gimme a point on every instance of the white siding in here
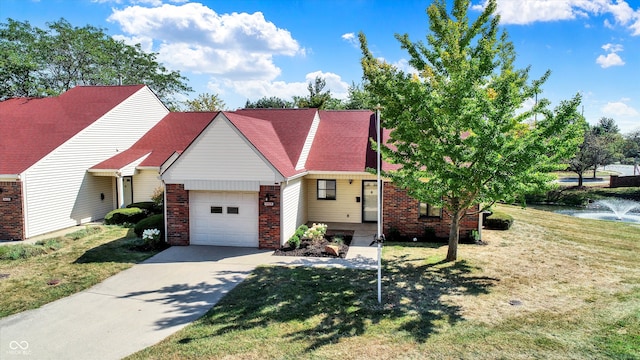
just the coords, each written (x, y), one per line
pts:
(144, 184)
(60, 192)
(343, 209)
(294, 208)
(302, 160)
(221, 153)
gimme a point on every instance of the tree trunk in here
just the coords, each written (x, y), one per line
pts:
(595, 168)
(579, 179)
(454, 236)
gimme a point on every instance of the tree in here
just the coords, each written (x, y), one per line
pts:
(46, 62)
(457, 129)
(272, 102)
(205, 102)
(584, 158)
(358, 98)
(317, 97)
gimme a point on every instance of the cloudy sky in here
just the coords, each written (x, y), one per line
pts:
(247, 49)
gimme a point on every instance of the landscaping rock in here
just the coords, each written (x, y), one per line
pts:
(332, 250)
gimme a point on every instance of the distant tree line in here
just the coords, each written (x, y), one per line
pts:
(319, 98)
(602, 145)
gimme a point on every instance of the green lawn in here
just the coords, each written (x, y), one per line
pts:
(552, 287)
(62, 266)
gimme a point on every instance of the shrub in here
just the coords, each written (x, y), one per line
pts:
(152, 222)
(149, 207)
(499, 221)
(152, 238)
(316, 232)
(429, 233)
(158, 196)
(294, 241)
(121, 216)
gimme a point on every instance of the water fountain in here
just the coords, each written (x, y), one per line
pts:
(610, 209)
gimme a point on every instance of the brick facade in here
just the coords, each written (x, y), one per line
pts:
(177, 204)
(401, 212)
(11, 211)
(269, 217)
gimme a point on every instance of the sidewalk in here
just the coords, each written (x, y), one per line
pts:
(138, 307)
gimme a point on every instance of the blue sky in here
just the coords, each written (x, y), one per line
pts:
(245, 49)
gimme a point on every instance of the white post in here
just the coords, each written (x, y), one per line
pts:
(120, 187)
(379, 220)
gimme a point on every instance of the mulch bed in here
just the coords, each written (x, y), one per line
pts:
(316, 248)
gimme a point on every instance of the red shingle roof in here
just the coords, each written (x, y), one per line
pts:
(172, 134)
(291, 126)
(342, 141)
(32, 128)
(263, 136)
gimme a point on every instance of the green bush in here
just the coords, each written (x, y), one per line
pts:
(499, 221)
(147, 206)
(152, 222)
(121, 216)
(294, 241)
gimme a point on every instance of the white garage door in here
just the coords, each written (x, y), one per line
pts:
(223, 218)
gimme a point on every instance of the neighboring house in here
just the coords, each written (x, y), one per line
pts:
(48, 144)
(252, 176)
(136, 170)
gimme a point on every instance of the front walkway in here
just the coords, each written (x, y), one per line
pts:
(139, 307)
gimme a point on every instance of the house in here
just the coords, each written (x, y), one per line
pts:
(136, 170)
(252, 176)
(48, 144)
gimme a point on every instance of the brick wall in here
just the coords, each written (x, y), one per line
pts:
(401, 212)
(11, 214)
(269, 217)
(624, 181)
(177, 204)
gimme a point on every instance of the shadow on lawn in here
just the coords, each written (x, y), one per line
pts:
(122, 250)
(344, 301)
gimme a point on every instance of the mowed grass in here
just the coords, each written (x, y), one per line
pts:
(552, 287)
(63, 266)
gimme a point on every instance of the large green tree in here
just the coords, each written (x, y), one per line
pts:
(460, 131)
(43, 62)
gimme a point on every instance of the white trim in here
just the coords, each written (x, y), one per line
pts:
(306, 149)
(10, 177)
(222, 185)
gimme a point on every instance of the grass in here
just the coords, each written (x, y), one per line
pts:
(33, 275)
(552, 287)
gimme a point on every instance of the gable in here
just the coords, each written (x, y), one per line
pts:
(221, 153)
(32, 128)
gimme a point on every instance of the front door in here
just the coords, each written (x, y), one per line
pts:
(369, 201)
(127, 188)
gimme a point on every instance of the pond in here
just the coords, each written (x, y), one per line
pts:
(607, 209)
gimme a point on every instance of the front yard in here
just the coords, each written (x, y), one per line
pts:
(552, 287)
(63, 266)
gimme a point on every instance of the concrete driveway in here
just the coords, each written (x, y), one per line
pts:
(142, 305)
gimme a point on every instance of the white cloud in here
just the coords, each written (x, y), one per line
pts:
(256, 89)
(609, 60)
(193, 37)
(351, 39)
(530, 11)
(619, 108)
(612, 47)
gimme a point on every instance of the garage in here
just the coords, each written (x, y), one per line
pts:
(223, 218)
